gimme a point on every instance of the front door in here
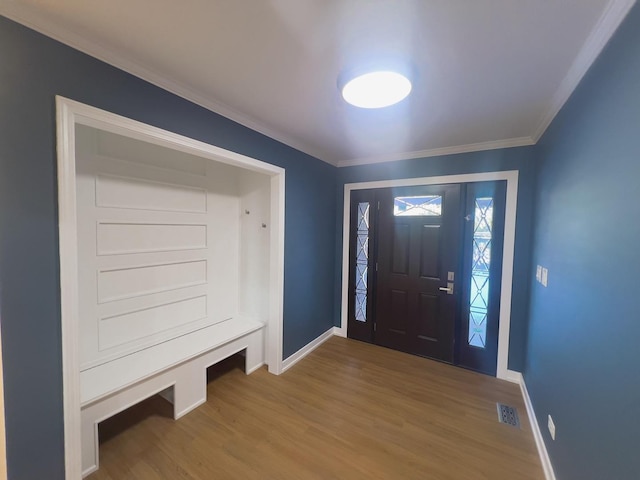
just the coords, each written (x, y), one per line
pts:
(417, 263)
(425, 270)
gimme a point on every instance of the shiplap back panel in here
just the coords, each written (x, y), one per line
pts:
(159, 245)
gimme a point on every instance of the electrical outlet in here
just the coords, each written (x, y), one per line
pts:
(539, 273)
(552, 428)
(544, 277)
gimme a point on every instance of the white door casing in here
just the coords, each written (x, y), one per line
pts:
(511, 176)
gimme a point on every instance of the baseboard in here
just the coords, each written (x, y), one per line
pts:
(89, 471)
(306, 350)
(190, 408)
(256, 367)
(340, 332)
(535, 428)
(513, 376)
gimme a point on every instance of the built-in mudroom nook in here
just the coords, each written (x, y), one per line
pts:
(171, 260)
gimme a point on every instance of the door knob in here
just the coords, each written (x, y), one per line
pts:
(448, 288)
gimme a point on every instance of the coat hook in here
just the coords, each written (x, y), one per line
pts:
(264, 225)
(247, 212)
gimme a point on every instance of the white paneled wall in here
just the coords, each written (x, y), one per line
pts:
(254, 245)
(136, 280)
(168, 244)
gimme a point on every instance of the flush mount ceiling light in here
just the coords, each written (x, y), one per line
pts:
(376, 89)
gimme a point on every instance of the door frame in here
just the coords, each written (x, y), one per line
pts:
(511, 176)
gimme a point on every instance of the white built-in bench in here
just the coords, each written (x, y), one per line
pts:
(180, 376)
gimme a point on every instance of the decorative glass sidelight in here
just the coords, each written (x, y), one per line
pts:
(480, 267)
(418, 206)
(362, 262)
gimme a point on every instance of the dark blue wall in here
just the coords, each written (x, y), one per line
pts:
(579, 354)
(583, 362)
(521, 159)
(33, 69)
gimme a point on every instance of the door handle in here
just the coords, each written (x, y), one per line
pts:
(448, 288)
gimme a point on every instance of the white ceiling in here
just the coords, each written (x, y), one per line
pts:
(489, 73)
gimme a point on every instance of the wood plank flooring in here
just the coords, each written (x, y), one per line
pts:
(348, 410)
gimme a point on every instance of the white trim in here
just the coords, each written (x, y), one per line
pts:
(70, 113)
(437, 152)
(273, 336)
(43, 24)
(306, 350)
(508, 256)
(346, 222)
(113, 123)
(535, 428)
(609, 21)
(513, 376)
(121, 408)
(340, 332)
(511, 176)
(600, 35)
(255, 368)
(69, 288)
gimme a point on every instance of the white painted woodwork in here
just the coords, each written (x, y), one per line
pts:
(171, 259)
(107, 378)
(489, 74)
(115, 238)
(254, 244)
(117, 330)
(184, 385)
(291, 360)
(138, 233)
(123, 192)
(132, 281)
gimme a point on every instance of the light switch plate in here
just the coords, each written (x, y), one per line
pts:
(539, 273)
(552, 428)
(545, 276)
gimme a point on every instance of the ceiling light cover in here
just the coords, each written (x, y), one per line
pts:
(376, 89)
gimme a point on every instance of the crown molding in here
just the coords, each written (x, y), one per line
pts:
(602, 32)
(437, 152)
(607, 24)
(40, 23)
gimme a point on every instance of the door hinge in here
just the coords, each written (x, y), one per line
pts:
(378, 205)
(374, 326)
(376, 266)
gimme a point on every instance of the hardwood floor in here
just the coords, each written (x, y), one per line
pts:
(349, 410)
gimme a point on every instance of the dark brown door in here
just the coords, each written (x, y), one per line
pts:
(418, 240)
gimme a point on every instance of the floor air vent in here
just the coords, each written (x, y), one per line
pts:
(508, 415)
